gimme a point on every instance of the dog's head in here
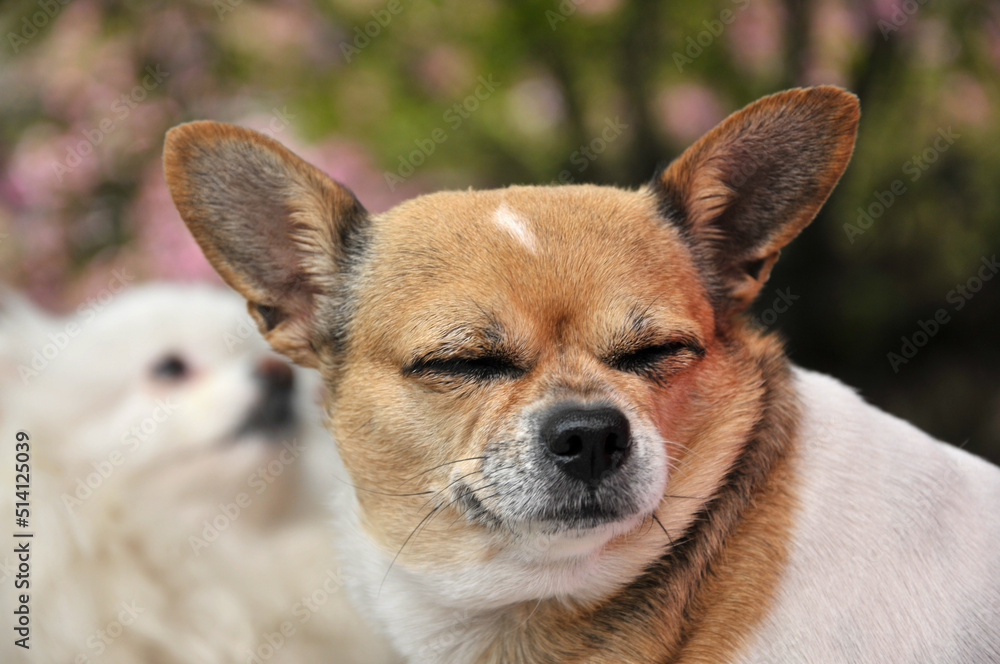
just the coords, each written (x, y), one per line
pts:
(164, 377)
(526, 365)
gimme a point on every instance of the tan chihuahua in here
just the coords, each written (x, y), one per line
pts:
(566, 442)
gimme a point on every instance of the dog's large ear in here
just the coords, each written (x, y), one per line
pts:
(274, 227)
(746, 188)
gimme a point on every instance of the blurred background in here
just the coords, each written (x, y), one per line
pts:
(890, 289)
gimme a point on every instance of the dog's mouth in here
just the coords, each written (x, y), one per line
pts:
(557, 510)
(273, 417)
(472, 508)
(591, 511)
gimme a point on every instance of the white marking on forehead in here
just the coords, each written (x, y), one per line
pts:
(513, 223)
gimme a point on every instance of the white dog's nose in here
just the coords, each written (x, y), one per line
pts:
(276, 375)
(274, 410)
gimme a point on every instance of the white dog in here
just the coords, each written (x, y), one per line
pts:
(175, 470)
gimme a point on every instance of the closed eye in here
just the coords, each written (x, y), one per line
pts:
(480, 368)
(655, 358)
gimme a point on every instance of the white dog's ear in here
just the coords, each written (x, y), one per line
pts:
(746, 188)
(277, 229)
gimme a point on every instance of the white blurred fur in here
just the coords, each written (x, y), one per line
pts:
(128, 543)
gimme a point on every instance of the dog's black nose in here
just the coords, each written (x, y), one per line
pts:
(587, 443)
(274, 411)
(275, 375)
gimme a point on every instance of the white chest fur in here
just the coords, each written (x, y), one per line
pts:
(895, 555)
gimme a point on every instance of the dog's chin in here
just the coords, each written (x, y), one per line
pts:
(225, 461)
(266, 439)
(232, 458)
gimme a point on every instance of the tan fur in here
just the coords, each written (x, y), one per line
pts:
(759, 152)
(438, 275)
(297, 190)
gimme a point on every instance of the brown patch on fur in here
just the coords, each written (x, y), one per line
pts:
(277, 229)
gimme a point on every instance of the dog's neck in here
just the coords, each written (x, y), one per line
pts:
(656, 594)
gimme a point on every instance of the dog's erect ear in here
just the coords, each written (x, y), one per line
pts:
(746, 188)
(274, 227)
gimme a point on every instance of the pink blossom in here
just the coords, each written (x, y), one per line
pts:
(688, 110)
(536, 105)
(966, 101)
(349, 163)
(164, 241)
(446, 72)
(755, 37)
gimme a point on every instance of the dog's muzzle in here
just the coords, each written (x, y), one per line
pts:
(274, 412)
(578, 465)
